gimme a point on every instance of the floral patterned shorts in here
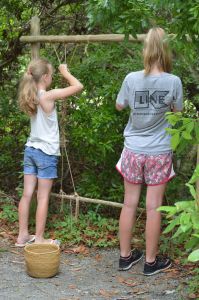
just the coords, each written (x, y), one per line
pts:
(151, 169)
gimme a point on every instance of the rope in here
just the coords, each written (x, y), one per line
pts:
(57, 54)
(73, 53)
(65, 53)
(71, 175)
(63, 148)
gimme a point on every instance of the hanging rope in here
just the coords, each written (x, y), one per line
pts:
(56, 54)
(63, 146)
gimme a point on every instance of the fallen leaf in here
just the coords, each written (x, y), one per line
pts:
(72, 286)
(107, 294)
(120, 279)
(98, 257)
(7, 235)
(130, 282)
(81, 249)
(174, 271)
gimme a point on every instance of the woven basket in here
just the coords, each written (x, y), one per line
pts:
(42, 260)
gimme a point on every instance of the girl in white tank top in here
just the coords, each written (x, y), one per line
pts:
(42, 147)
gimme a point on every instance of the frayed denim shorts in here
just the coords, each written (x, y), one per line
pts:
(40, 164)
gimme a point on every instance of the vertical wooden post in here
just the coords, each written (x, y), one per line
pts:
(77, 208)
(35, 30)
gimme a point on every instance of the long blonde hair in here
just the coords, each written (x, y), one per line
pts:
(156, 51)
(28, 99)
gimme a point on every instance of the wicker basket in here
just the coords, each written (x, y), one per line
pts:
(42, 260)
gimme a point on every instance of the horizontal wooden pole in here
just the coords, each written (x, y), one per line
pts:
(80, 38)
(84, 199)
(90, 200)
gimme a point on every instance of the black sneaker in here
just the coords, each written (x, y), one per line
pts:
(160, 264)
(125, 263)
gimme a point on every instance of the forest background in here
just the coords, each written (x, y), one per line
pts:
(92, 125)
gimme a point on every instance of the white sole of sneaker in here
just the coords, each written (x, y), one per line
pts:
(158, 271)
(132, 264)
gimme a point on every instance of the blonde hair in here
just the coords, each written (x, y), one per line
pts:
(156, 51)
(28, 99)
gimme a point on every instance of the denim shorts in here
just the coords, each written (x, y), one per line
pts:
(40, 164)
(146, 168)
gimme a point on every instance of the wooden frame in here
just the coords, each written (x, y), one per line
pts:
(35, 39)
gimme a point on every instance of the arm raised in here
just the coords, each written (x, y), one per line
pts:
(74, 87)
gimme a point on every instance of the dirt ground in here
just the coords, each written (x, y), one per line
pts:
(89, 275)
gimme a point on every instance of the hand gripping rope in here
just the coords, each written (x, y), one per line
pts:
(63, 146)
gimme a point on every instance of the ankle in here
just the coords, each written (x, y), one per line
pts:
(150, 263)
(39, 239)
(150, 260)
(23, 236)
(125, 254)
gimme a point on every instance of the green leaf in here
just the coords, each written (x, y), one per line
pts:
(190, 125)
(185, 205)
(186, 135)
(195, 220)
(192, 243)
(178, 232)
(172, 224)
(194, 256)
(172, 130)
(170, 209)
(196, 235)
(185, 223)
(196, 129)
(192, 190)
(195, 175)
(175, 140)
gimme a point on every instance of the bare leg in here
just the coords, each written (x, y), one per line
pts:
(154, 198)
(30, 182)
(127, 216)
(44, 189)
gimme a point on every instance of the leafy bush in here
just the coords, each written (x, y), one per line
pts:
(184, 215)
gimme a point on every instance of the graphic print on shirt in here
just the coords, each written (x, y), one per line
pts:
(143, 99)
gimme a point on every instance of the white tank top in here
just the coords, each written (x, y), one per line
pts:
(44, 133)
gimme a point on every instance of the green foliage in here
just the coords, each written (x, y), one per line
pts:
(127, 17)
(186, 131)
(8, 212)
(193, 283)
(94, 127)
(90, 229)
(178, 13)
(184, 216)
(194, 256)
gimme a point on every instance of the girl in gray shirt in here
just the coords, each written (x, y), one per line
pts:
(147, 156)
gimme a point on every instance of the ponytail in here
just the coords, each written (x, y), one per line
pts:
(28, 95)
(28, 99)
(156, 51)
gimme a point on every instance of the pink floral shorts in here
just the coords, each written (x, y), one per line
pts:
(151, 169)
